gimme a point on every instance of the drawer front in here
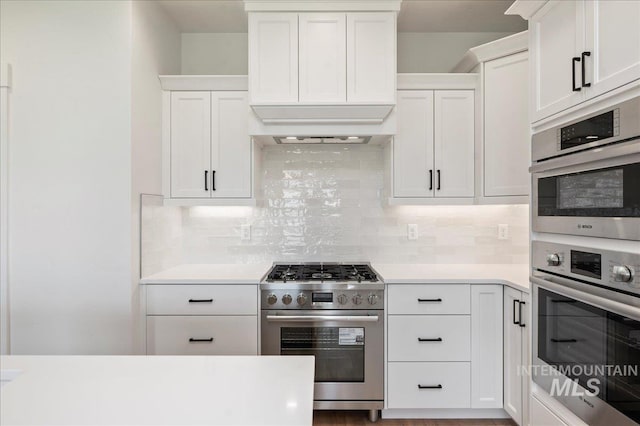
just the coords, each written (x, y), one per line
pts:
(429, 337)
(192, 335)
(202, 300)
(445, 385)
(429, 299)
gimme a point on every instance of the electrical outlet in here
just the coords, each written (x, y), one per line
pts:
(412, 231)
(503, 231)
(245, 232)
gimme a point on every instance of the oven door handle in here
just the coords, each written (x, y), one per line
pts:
(314, 318)
(556, 284)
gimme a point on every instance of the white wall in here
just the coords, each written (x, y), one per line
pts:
(227, 53)
(437, 52)
(215, 53)
(70, 180)
(155, 50)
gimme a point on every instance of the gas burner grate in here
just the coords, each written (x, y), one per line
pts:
(320, 272)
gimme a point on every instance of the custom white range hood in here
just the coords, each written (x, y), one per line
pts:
(322, 69)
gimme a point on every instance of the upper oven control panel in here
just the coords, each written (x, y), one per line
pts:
(297, 298)
(616, 270)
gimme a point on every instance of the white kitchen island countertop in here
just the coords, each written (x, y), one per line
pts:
(210, 274)
(158, 390)
(516, 276)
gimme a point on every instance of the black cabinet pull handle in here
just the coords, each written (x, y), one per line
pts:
(430, 180)
(200, 300)
(206, 180)
(439, 180)
(437, 339)
(584, 71)
(429, 300)
(193, 340)
(516, 302)
(429, 386)
(564, 340)
(520, 314)
(573, 74)
(213, 180)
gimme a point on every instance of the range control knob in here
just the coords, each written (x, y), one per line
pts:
(286, 299)
(342, 299)
(553, 259)
(373, 299)
(357, 299)
(272, 298)
(622, 273)
(301, 299)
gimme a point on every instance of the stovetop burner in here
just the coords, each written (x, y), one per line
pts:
(321, 272)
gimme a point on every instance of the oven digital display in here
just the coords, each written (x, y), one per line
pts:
(586, 264)
(322, 297)
(589, 130)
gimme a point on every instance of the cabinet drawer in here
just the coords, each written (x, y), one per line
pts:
(442, 384)
(454, 332)
(202, 300)
(429, 299)
(193, 335)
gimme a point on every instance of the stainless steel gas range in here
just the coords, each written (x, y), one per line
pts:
(334, 311)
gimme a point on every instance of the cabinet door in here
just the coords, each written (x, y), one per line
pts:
(273, 57)
(190, 144)
(613, 39)
(323, 58)
(486, 346)
(230, 145)
(557, 35)
(413, 171)
(371, 57)
(506, 126)
(512, 355)
(453, 142)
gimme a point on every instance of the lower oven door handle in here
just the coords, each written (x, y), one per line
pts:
(313, 318)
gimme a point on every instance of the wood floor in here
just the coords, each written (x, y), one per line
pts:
(360, 418)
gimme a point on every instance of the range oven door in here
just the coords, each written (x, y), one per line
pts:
(347, 345)
(586, 352)
(598, 197)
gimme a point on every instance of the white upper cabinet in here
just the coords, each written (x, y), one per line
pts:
(190, 144)
(433, 149)
(413, 144)
(273, 57)
(506, 141)
(322, 56)
(209, 152)
(613, 42)
(230, 146)
(454, 143)
(557, 38)
(371, 57)
(581, 49)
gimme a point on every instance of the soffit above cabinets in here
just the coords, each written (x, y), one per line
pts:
(321, 6)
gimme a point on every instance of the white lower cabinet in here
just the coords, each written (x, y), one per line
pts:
(429, 384)
(186, 319)
(516, 354)
(202, 335)
(444, 346)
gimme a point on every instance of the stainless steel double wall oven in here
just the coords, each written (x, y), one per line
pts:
(586, 295)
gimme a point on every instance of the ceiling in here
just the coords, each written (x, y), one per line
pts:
(228, 16)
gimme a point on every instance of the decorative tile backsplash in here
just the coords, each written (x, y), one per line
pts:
(325, 203)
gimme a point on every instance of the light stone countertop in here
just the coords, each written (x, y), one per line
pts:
(155, 390)
(210, 274)
(516, 276)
